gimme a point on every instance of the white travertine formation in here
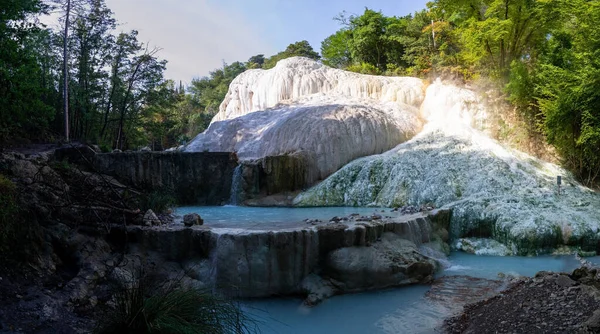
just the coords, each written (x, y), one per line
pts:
(505, 193)
(329, 131)
(301, 106)
(296, 77)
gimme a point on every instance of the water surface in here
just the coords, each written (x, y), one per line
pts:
(411, 309)
(400, 310)
(243, 216)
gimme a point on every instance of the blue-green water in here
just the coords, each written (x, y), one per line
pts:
(240, 216)
(401, 310)
(410, 309)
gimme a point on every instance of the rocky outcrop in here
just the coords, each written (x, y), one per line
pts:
(547, 303)
(391, 261)
(316, 261)
(192, 219)
(194, 178)
(301, 107)
(494, 192)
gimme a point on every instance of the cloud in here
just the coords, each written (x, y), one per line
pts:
(196, 35)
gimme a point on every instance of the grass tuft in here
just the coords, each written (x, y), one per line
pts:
(144, 307)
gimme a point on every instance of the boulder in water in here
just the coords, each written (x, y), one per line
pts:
(192, 219)
(389, 262)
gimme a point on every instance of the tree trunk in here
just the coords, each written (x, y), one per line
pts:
(66, 71)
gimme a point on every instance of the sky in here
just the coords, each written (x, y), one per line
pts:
(196, 36)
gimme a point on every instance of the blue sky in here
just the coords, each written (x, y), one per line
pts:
(196, 36)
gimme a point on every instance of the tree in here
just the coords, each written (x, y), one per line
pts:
(22, 108)
(298, 49)
(256, 61)
(493, 33)
(91, 43)
(566, 81)
(336, 49)
(374, 44)
(368, 39)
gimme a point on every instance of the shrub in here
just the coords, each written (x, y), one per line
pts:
(144, 307)
(158, 201)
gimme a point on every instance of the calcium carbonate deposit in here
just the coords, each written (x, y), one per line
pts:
(494, 191)
(335, 117)
(329, 116)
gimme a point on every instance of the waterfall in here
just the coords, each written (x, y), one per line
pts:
(235, 196)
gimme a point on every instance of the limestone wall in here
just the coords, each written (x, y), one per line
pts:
(199, 178)
(251, 263)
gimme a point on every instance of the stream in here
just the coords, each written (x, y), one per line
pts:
(465, 278)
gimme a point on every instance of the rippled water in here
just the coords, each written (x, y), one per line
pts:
(412, 309)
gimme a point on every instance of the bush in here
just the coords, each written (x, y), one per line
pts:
(364, 68)
(144, 307)
(158, 201)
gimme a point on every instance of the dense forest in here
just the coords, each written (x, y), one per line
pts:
(543, 54)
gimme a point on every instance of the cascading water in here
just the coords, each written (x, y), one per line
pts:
(235, 197)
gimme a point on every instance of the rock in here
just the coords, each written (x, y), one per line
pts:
(192, 219)
(116, 150)
(593, 322)
(393, 261)
(317, 289)
(482, 246)
(261, 263)
(76, 154)
(200, 178)
(150, 219)
(564, 281)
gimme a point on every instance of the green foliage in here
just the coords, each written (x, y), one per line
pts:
(149, 307)
(336, 49)
(23, 110)
(159, 201)
(364, 68)
(256, 61)
(392, 45)
(493, 33)
(559, 89)
(300, 49)
(112, 77)
(368, 39)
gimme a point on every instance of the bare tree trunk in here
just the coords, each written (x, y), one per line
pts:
(66, 71)
(433, 34)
